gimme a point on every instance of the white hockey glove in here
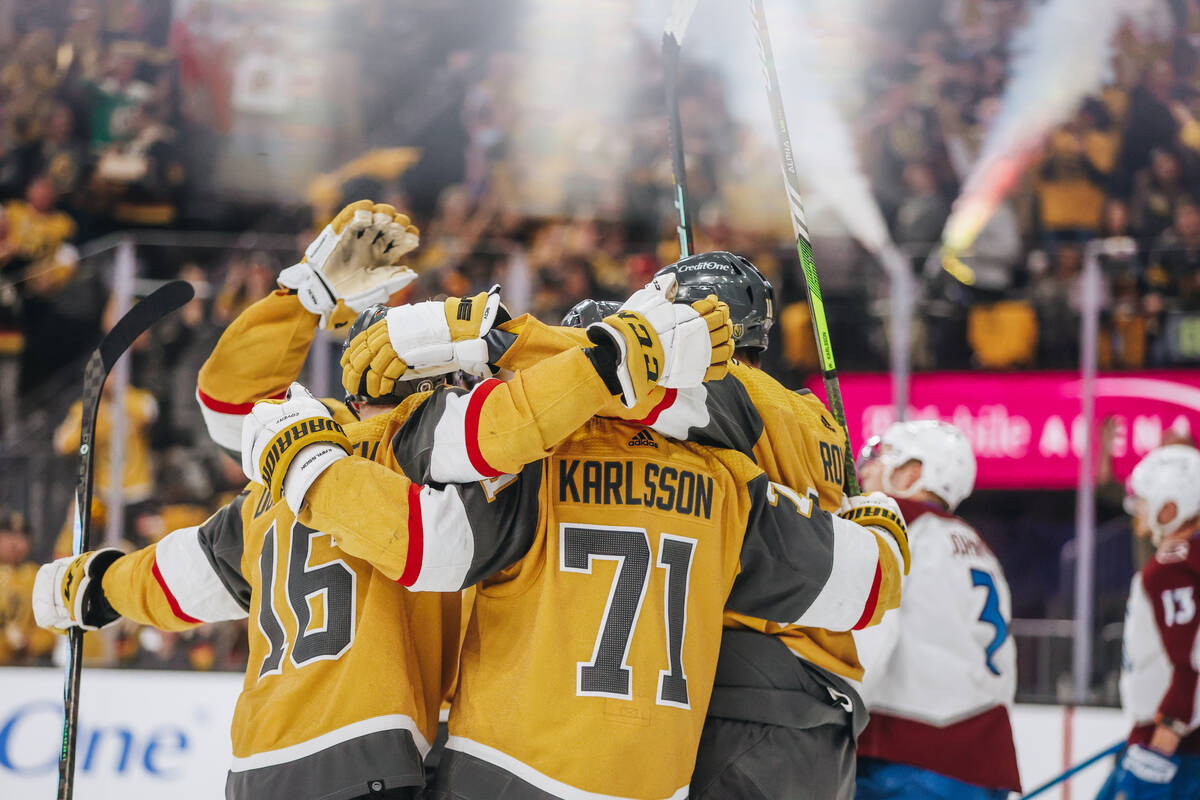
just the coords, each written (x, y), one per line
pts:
(67, 592)
(287, 444)
(664, 344)
(443, 336)
(355, 260)
(877, 510)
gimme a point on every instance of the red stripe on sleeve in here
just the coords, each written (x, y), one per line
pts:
(221, 407)
(416, 538)
(171, 601)
(668, 400)
(872, 600)
(474, 409)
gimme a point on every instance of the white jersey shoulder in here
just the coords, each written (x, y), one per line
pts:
(947, 653)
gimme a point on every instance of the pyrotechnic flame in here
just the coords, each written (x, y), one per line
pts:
(1061, 56)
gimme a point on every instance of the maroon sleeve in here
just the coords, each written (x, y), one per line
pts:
(1173, 588)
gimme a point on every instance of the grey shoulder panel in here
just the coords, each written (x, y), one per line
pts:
(505, 513)
(734, 423)
(786, 556)
(222, 538)
(413, 443)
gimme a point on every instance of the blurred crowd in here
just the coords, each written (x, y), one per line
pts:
(137, 115)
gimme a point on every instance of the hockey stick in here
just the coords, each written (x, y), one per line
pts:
(812, 286)
(137, 320)
(677, 22)
(1082, 765)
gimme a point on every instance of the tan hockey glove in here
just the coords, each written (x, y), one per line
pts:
(720, 332)
(421, 339)
(67, 592)
(354, 262)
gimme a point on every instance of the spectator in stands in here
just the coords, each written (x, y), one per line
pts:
(22, 641)
(1056, 299)
(1156, 192)
(922, 213)
(1149, 125)
(137, 476)
(55, 153)
(1174, 267)
(1073, 177)
(139, 178)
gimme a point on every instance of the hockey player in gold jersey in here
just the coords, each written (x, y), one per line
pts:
(324, 621)
(787, 707)
(603, 573)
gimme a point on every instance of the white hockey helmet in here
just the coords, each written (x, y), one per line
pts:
(947, 462)
(1169, 474)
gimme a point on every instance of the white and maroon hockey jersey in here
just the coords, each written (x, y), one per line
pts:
(1159, 672)
(941, 670)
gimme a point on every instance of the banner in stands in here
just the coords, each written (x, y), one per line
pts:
(1027, 428)
(152, 734)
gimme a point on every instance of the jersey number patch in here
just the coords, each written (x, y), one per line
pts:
(333, 583)
(991, 615)
(1179, 606)
(608, 674)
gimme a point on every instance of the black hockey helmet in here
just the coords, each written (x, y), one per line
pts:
(738, 283)
(586, 312)
(403, 387)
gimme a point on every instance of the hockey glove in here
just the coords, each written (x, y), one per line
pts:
(431, 338)
(1144, 774)
(354, 262)
(715, 314)
(67, 592)
(686, 339)
(287, 444)
(877, 510)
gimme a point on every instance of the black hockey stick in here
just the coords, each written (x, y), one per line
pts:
(812, 285)
(677, 22)
(139, 319)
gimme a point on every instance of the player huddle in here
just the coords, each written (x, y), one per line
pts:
(628, 568)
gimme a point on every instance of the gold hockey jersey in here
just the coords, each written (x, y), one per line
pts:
(603, 572)
(346, 668)
(323, 624)
(790, 435)
(257, 357)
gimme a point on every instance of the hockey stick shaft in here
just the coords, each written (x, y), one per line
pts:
(1070, 773)
(672, 43)
(812, 285)
(137, 321)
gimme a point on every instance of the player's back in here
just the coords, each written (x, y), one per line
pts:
(941, 672)
(587, 665)
(1161, 630)
(345, 669)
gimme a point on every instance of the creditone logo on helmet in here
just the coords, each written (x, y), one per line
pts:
(704, 266)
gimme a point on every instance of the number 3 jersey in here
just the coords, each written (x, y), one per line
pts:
(941, 670)
(1160, 671)
(602, 575)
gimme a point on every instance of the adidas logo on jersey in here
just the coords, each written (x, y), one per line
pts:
(643, 439)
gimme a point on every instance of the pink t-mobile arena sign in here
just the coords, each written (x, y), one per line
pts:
(1027, 428)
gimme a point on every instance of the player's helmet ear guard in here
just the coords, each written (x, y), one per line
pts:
(737, 282)
(1169, 474)
(586, 312)
(404, 386)
(947, 462)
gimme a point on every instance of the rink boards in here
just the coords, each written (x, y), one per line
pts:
(152, 734)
